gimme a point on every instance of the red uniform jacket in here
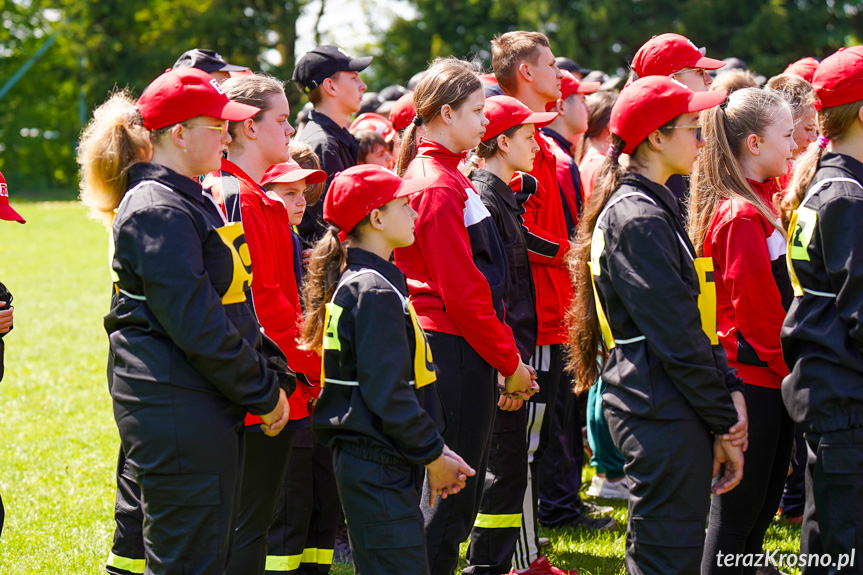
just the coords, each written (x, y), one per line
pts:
(548, 244)
(274, 285)
(753, 290)
(450, 294)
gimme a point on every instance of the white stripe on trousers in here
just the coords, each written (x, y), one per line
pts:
(526, 550)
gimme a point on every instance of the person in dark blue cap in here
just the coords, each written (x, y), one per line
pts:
(210, 62)
(330, 78)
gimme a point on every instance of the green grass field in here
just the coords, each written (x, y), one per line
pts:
(58, 441)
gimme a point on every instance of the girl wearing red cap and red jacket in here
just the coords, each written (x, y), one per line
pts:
(377, 368)
(750, 141)
(183, 340)
(456, 272)
(821, 336)
(647, 305)
(257, 144)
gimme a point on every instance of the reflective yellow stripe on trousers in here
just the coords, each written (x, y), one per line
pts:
(126, 564)
(292, 562)
(497, 521)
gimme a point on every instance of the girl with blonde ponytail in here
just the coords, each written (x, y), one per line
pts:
(821, 337)
(733, 222)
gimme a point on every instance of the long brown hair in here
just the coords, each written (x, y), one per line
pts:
(586, 345)
(113, 141)
(447, 81)
(328, 262)
(717, 175)
(833, 123)
(600, 104)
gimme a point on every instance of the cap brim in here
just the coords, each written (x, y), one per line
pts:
(10, 215)
(232, 68)
(540, 119)
(233, 111)
(705, 100)
(708, 63)
(414, 186)
(359, 64)
(311, 177)
(588, 87)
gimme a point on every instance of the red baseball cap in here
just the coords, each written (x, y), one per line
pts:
(666, 54)
(570, 85)
(355, 192)
(838, 79)
(375, 123)
(505, 112)
(182, 94)
(6, 211)
(289, 172)
(650, 103)
(804, 68)
(403, 111)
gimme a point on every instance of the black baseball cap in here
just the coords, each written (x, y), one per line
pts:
(207, 61)
(322, 62)
(571, 65)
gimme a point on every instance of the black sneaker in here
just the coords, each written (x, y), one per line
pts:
(594, 523)
(596, 510)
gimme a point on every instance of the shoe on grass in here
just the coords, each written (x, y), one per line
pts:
(593, 523)
(595, 486)
(542, 567)
(614, 489)
(596, 510)
(542, 542)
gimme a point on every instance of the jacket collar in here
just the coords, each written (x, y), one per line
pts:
(430, 149)
(658, 191)
(562, 142)
(330, 127)
(845, 163)
(166, 176)
(362, 258)
(486, 178)
(766, 190)
(246, 179)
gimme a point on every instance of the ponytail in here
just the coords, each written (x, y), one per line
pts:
(717, 175)
(407, 147)
(585, 335)
(328, 261)
(113, 141)
(447, 81)
(833, 123)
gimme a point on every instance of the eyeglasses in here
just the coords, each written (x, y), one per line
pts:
(696, 127)
(221, 127)
(700, 71)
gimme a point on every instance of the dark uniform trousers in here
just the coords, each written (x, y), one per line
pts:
(833, 520)
(189, 520)
(669, 467)
(303, 534)
(467, 388)
(498, 524)
(380, 495)
(127, 551)
(264, 470)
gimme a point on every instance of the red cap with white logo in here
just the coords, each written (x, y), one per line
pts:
(6, 211)
(182, 94)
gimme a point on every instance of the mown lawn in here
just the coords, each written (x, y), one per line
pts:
(58, 441)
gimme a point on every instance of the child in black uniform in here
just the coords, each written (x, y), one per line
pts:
(376, 362)
(821, 336)
(648, 305)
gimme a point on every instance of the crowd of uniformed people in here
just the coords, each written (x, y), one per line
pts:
(378, 338)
